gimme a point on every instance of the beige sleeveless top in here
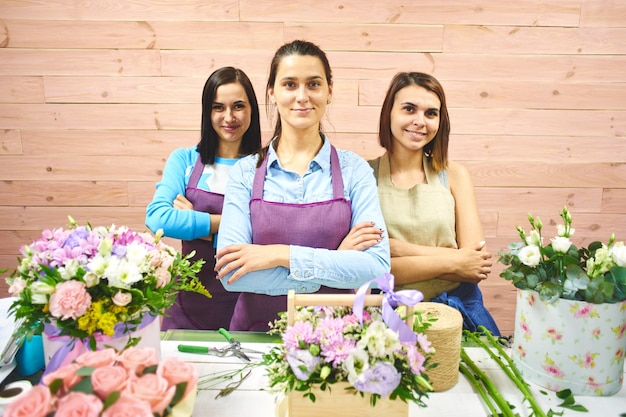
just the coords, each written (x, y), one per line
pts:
(423, 215)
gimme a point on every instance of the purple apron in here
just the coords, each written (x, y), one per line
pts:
(319, 225)
(192, 310)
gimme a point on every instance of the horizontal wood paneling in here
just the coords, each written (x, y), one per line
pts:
(94, 96)
(527, 13)
(136, 10)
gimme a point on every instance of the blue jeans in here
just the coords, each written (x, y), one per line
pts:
(468, 300)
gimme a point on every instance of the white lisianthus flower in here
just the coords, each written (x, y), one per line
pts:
(561, 244)
(355, 364)
(380, 340)
(105, 247)
(560, 230)
(530, 255)
(39, 299)
(618, 252)
(534, 238)
(41, 288)
(69, 270)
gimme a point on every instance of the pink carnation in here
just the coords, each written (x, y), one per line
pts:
(70, 301)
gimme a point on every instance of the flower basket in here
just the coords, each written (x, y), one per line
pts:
(570, 344)
(339, 399)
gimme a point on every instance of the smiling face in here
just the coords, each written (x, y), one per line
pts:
(231, 112)
(414, 118)
(300, 91)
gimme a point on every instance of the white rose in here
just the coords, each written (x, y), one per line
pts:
(618, 252)
(530, 255)
(561, 244)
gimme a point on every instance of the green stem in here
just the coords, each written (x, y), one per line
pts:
(478, 387)
(503, 405)
(509, 368)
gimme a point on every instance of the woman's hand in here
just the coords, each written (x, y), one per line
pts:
(246, 258)
(181, 203)
(473, 264)
(362, 236)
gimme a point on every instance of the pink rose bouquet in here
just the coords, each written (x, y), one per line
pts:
(109, 384)
(88, 281)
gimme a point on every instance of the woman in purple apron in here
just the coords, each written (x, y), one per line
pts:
(188, 201)
(302, 215)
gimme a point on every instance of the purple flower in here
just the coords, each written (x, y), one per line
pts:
(337, 351)
(301, 331)
(76, 238)
(382, 378)
(302, 363)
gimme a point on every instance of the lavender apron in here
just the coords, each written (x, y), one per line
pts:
(319, 225)
(192, 310)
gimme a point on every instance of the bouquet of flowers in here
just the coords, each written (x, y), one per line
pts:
(109, 384)
(596, 274)
(326, 345)
(86, 280)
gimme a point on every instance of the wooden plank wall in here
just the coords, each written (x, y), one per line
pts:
(94, 96)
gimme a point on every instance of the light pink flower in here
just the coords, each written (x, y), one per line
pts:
(163, 277)
(34, 403)
(128, 406)
(122, 298)
(108, 379)
(152, 389)
(78, 404)
(137, 359)
(65, 373)
(176, 371)
(18, 285)
(70, 301)
(97, 359)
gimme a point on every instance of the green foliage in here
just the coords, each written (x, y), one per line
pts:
(595, 274)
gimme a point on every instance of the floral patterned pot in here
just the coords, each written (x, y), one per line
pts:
(570, 344)
(61, 350)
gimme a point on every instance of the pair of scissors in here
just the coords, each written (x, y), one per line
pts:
(235, 346)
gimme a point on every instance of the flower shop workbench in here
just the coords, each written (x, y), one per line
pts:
(249, 399)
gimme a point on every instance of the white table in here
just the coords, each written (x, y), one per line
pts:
(461, 400)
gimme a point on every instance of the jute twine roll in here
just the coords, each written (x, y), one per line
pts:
(445, 336)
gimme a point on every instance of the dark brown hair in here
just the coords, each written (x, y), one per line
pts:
(209, 139)
(437, 149)
(297, 47)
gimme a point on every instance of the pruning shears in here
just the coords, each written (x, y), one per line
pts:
(235, 346)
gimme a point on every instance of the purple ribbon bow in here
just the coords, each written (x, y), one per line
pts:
(391, 300)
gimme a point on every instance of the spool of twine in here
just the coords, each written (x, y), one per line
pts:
(445, 336)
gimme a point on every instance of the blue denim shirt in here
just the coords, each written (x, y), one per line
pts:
(309, 267)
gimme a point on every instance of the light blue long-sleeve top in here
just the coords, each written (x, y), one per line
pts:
(185, 224)
(309, 267)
